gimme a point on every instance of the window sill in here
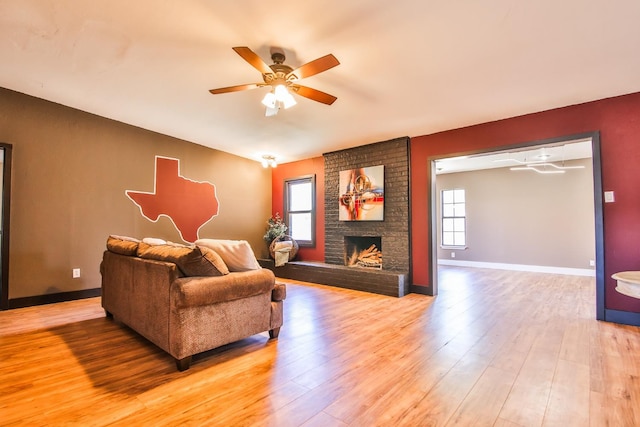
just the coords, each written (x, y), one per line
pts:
(461, 248)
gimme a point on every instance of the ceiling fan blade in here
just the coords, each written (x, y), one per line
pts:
(314, 67)
(252, 58)
(235, 88)
(314, 94)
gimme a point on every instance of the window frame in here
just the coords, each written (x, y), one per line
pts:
(287, 212)
(454, 217)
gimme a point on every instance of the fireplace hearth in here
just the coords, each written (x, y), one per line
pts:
(363, 251)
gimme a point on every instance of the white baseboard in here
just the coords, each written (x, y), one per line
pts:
(521, 267)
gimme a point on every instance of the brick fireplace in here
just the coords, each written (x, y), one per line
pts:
(393, 231)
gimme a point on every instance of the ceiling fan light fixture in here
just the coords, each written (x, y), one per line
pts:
(277, 98)
(562, 167)
(271, 111)
(281, 92)
(288, 101)
(536, 169)
(283, 96)
(269, 100)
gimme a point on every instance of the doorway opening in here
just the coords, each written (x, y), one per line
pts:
(5, 202)
(515, 160)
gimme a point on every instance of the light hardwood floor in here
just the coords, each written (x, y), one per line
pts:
(495, 348)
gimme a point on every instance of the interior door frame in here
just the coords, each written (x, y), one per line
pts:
(6, 216)
(597, 202)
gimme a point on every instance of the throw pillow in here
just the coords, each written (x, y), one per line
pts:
(191, 261)
(154, 241)
(122, 245)
(210, 259)
(236, 254)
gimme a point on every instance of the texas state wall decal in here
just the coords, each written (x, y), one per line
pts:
(188, 204)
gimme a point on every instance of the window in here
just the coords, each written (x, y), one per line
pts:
(453, 218)
(300, 209)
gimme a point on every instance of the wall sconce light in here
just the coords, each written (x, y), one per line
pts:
(268, 160)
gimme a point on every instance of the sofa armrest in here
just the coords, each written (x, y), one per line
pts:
(198, 291)
(279, 292)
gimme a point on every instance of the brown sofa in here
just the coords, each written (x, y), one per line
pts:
(187, 314)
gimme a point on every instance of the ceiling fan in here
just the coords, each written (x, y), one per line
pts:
(282, 79)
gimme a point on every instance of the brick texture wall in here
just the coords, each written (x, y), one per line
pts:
(394, 230)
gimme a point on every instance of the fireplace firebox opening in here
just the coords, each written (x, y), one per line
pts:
(363, 251)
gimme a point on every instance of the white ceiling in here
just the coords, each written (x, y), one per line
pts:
(408, 68)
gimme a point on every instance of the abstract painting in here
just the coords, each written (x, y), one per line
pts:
(362, 194)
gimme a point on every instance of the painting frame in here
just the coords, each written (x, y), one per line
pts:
(361, 196)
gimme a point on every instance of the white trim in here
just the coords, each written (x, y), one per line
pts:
(521, 267)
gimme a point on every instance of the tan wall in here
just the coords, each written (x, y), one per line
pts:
(526, 218)
(69, 175)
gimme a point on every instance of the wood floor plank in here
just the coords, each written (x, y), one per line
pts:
(441, 402)
(476, 409)
(324, 420)
(614, 373)
(569, 398)
(494, 348)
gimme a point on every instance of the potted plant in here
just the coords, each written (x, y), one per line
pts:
(276, 228)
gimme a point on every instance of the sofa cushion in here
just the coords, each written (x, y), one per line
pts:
(122, 245)
(199, 291)
(190, 260)
(149, 241)
(236, 254)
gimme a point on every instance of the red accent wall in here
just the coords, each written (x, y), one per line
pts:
(294, 170)
(617, 119)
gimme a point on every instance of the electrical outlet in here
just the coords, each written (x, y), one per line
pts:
(453, 254)
(76, 273)
(592, 263)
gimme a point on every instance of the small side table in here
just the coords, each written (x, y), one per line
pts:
(628, 283)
